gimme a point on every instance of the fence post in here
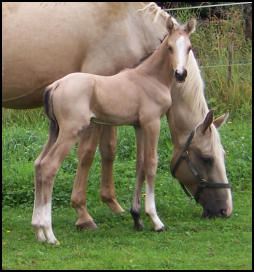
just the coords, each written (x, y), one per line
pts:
(230, 60)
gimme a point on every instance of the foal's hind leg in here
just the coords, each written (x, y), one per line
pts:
(46, 167)
(86, 150)
(108, 149)
(140, 177)
(51, 140)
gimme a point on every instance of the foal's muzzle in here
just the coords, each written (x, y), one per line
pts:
(180, 76)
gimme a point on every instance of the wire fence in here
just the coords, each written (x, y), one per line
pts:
(225, 65)
(209, 6)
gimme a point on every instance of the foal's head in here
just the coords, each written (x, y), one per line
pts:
(179, 46)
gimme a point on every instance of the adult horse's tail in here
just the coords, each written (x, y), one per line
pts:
(48, 107)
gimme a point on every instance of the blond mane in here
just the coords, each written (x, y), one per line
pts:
(192, 89)
(153, 9)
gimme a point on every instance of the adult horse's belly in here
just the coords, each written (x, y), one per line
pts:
(43, 42)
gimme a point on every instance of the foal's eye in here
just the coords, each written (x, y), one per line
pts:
(189, 49)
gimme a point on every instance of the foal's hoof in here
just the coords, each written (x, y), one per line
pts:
(87, 225)
(161, 229)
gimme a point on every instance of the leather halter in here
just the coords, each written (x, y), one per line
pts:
(202, 183)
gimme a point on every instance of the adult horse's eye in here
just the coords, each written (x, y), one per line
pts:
(189, 49)
(208, 160)
(170, 49)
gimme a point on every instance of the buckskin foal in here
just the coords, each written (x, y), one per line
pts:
(138, 97)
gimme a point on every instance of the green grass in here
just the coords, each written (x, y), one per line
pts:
(190, 242)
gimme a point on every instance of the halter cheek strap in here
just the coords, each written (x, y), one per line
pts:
(202, 183)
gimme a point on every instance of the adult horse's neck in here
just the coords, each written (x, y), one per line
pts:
(189, 106)
(157, 65)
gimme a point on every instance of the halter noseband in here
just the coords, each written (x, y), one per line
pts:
(202, 183)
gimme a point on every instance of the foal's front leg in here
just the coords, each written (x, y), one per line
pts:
(151, 137)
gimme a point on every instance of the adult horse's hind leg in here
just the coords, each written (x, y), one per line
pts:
(86, 150)
(46, 167)
(140, 177)
(108, 149)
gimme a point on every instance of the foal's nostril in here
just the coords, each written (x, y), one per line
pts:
(180, 76)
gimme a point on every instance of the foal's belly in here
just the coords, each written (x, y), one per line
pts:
(116, 113)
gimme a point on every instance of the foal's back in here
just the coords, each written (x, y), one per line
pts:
(121, 99)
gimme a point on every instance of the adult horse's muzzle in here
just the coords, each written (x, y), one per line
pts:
(217, 210)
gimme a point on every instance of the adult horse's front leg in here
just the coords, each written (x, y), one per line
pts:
(86, 150)
(151, 137)
(107, 146)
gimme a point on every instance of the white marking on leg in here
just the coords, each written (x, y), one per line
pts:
(42, 224)
(151, 209)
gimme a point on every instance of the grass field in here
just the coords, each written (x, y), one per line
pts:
(190, 242)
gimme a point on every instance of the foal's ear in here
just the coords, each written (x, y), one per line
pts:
(170, 24)
(207, 122)
(190, 26)
(218, 122)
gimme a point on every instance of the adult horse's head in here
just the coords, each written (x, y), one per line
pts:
(179, 46)
(199, 166)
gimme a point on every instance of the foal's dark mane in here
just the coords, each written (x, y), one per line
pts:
(147, 55)
(142, 59)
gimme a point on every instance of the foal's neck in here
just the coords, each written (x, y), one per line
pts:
(157, 65)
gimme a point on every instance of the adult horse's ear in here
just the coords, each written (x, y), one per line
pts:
(190, 26)
(218, 122)
(170, 24)
(207, 122)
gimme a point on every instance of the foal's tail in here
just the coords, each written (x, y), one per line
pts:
(48, 107)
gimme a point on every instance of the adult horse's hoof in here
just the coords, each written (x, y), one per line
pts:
(87, 225)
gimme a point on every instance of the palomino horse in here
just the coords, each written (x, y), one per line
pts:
(43, 42)
(198, 156)
(138, 97)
